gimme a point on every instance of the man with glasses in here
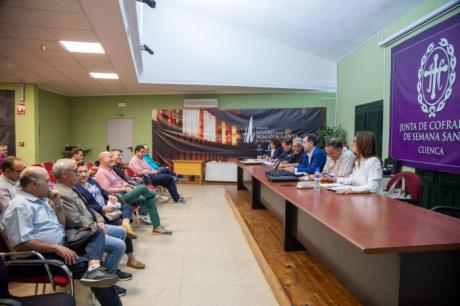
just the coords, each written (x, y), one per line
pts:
(340, 160)
(9, 180)
(80, 215)
(34, 220)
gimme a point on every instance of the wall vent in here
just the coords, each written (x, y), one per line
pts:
(201, 103)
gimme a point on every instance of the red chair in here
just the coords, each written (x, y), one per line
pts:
(47, 278)
(89, 165)
(129, 172)
(6, 298)
(413, 185)
(48, 166)
(52, 177)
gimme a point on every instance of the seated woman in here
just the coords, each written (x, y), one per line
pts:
(367, 172)
(275, 148)
(97, 199)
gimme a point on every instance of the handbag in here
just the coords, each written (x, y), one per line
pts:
(79, 237)
(113, 215)
(398, 193)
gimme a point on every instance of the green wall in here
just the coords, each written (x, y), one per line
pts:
(89, 114)
(54, 125)
(364, 75)
(26, 125)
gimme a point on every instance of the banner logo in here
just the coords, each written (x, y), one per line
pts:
(249, 133)
(436, 76)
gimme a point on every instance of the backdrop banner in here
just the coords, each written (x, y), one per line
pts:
(208, 134)
(425, 99)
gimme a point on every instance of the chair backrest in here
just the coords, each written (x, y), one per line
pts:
(413, 184)
(130, 172)
(52, 177)
(48, 166)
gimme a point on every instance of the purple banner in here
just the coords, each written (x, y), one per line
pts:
(425, 99)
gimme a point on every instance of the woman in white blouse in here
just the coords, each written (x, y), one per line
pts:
(367, 172)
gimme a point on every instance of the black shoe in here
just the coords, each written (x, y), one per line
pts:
(120, 290)
(124, 276)
(97, 278)
(180, 201)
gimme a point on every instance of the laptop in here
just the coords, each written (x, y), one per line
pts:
(280, 175)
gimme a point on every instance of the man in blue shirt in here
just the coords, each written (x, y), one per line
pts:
(313, 157)
(31, 222)
(154, 165)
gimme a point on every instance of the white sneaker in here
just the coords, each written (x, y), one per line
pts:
(162, 199)
(145, 219)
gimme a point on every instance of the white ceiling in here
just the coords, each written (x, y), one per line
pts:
(329, 29)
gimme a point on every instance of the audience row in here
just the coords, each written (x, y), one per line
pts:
(84, 218)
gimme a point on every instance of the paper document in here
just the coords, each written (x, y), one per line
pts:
(335, 186)
(300, 173)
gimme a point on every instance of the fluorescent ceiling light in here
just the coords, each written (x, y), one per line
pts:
(104, 75)
(83, 47)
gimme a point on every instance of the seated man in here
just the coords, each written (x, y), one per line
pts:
(98, 200)
(80, 215)
(31, 223)
(142, 169)
(9, 180)
(3, 152)
(313, 157)
(154, 166)
(340, 160)
(286, 144)
(296, 156)
(140, 195)
(78, 156)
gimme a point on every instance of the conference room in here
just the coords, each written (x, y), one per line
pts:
(229, 152)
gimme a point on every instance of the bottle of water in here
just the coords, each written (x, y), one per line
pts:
(316, 178)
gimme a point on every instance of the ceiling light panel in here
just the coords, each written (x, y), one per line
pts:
(104, 75)
(82, 47)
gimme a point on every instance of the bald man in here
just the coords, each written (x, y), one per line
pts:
(34, 221)
(113, 184)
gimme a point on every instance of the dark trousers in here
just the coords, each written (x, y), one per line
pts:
(127, 211)
(165, 170)
(164, 180)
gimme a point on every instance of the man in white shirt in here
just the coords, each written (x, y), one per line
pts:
(9, 180)
(340, 160)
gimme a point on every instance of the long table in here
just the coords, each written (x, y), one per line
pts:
(386, 252)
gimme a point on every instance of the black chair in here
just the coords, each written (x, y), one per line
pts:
(447, 210)
(61, 299)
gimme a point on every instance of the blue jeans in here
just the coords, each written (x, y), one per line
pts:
(115, 247)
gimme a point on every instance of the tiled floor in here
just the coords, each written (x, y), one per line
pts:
(207, 260)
